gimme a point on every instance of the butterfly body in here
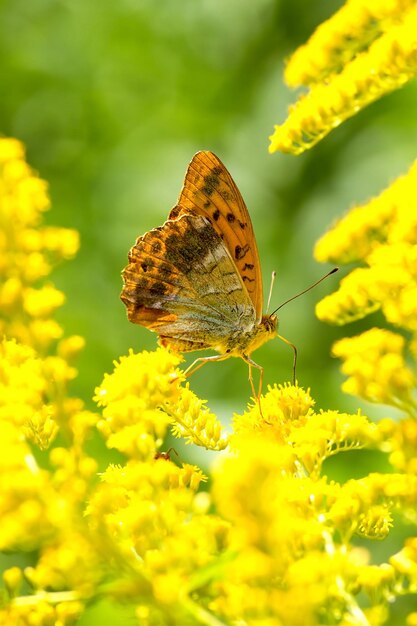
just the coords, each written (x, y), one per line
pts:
(196, 280)
(249, 341)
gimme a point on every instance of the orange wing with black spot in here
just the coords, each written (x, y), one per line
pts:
(182, 283)
(209, 191)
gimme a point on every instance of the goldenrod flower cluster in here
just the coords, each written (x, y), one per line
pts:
(365, 50)
(377, 368)
(142, 397)
(28, 252)
(380, 363)
(382, 236)
(293, 529)
(270, 540)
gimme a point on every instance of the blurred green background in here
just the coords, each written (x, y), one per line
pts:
(112, 99)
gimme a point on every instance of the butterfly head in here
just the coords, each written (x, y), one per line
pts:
(269, 325)
(263, 332)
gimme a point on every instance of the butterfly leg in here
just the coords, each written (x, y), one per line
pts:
(252, 364)
(294, 364)
(195, 365)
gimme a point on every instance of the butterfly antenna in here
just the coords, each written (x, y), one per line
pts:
(274, 274)
(335, 269)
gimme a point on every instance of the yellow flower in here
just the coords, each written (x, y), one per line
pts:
(328, 433)
(148, 375)
(398, 262)
(404, 564)
(269, 529)
(376, 367)
(400, 440)
(62, 243)
(42, 302)
(387, 64)
(134, 396)
(382, 234)
(364, 506)
(13, 578)
(389, 282)
(64, 610)
(28, 252)
(195, 423)
(70, 347)
(337, 40)
(374, 577)
(284, 407)
(10, 149)
(308, 438)
(57, 567)
(412, 619)
(26, 516)
(142, 396)
(387, 218)
(145, 514)
(24, 393)
(375, 523)
(285, 540)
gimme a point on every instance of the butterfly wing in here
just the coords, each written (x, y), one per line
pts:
(182, 283)
(210, 191)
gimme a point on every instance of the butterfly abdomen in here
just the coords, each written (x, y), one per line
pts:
(182, 345)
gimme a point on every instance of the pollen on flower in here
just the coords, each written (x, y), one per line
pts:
(284, 407)
(375, 523)
(295, 402)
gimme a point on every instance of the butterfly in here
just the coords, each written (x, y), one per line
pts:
(196, 280)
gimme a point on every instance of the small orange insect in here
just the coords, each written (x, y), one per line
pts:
(196, 280)
(166, 456)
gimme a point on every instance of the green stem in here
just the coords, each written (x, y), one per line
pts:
(52, 597)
